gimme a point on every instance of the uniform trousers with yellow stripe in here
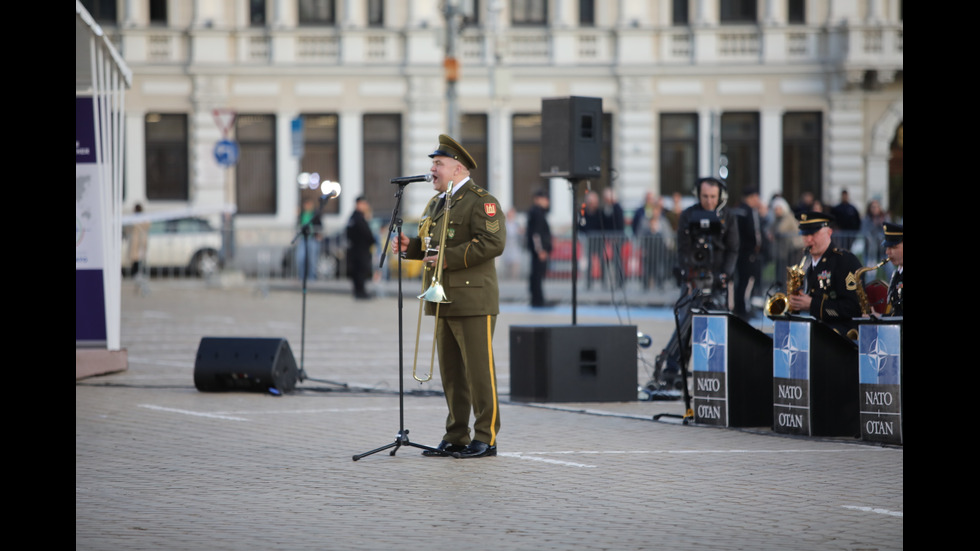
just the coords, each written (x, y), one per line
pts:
(469, 377)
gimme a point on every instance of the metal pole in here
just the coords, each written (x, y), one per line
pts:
(451, 66)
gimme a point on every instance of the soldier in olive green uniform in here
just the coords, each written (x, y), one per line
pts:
(475, 235)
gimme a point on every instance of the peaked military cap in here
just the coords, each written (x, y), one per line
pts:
(449, 148)
(894, 234)
(811, 221)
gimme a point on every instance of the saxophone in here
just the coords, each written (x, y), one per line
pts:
(778, 304)
(855, 282)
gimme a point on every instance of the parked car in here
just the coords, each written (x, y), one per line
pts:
(191, 245)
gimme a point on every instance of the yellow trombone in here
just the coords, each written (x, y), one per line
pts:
(435, 292)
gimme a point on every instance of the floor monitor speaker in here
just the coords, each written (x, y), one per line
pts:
(245, 364)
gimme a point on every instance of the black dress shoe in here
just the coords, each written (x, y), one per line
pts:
(446, 447)
(476, 449)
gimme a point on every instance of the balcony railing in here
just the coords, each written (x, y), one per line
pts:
(854, 47)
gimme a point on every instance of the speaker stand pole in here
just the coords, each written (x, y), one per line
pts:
(401, 439)
(575, 223)
(305, 232)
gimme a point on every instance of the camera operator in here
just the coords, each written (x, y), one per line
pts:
(707, 247)
(707, 243)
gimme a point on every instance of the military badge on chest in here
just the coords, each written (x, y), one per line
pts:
(825, 283)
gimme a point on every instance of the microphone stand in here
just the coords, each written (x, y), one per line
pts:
(401, 439)
(305, 232)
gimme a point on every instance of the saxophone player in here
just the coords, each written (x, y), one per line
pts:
(825, 295)
(895, 249)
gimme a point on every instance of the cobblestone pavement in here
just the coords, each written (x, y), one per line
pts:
(160, 465)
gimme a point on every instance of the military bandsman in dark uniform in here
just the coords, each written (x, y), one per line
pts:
(895, 249)
(825, 295)
(475, 235)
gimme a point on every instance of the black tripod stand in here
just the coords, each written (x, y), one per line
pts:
(698, 301)
(401, 439)
(305, 232)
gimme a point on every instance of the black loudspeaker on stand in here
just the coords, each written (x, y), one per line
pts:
(573, 127)
(245, 364)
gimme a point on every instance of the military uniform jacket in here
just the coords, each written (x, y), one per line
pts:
(896, 294)
(475, 236)
(826, 284)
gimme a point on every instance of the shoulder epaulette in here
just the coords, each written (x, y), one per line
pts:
(478, 190)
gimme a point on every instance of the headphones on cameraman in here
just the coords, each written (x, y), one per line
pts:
(722, 190)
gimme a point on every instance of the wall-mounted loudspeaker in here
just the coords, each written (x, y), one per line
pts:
(571, 137)
(245, 364)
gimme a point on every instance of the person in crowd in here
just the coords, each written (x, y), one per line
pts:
(509, 263)
(784, 234)
(139, 234)
(467, 318)
(308, 246)
(825, 295)
(673, 214)
(360, 244)
(894, 244)
(872, 223)
(614, 234)
(538, 246)
(653, 235)
(848, 220)
(805, 204)
(751, 237)
(590, 226)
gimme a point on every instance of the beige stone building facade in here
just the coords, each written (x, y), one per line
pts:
(785, 95)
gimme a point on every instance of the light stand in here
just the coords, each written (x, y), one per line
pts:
(401, 439)
(329, 191)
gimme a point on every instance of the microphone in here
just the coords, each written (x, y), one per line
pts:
(410, 179)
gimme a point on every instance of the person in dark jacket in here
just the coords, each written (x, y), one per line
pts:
(826, 295)
(360, 241)
(538, 245)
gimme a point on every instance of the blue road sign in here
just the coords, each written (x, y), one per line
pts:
(226, 152)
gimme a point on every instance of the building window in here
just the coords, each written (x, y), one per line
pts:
(382, 159)
(802, 155)
(737, 11)
(586, 13)
(167, 165)
(740, 149)
(321, 154)
(471, 12)
(255, 181)
(103, 11)
(473, 136)
(796, 12)
(526, 136)
(158, 12)
(376, 13)
(256, 13)
(317, 12)
(529, 12)
(679, 12)
(678, 152)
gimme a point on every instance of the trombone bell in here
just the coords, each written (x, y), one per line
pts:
(435, 293)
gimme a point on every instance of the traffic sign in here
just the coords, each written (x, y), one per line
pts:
(226, 153)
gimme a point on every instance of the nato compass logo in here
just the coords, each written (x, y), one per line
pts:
(880, 357)
(791, 350)
(710, 336)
